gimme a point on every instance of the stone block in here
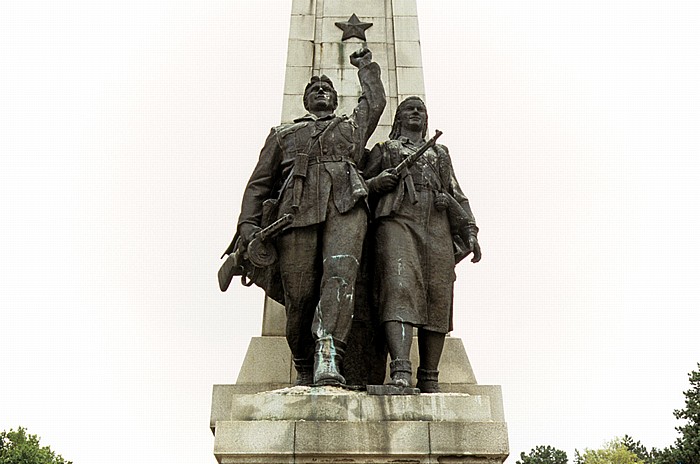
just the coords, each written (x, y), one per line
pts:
(380, 135)
(342, 439)
(274, 318)
(408, 55)
(391, 59)
(387, 117)
(345, 9)
(242, 441)
(296, 78)
(493, 392)
(468, 460)
(406, 29)
(410, 81)
(433, 407)
(273, 406)
(300, 53)
(405, 8)
(220, 404)
(336, 404)
(336, 55)
(267, 360)
(302, 27)
(292, 107)
(329, 32)
(454, 364)
(469, 438)
(303, 7)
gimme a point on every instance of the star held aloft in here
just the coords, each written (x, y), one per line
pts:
(353, 27)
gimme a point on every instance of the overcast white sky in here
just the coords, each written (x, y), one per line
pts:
(127, 132)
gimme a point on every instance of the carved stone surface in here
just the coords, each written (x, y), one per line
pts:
(353, 27)
(328, 424)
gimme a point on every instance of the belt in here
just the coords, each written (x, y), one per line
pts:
(330, 159)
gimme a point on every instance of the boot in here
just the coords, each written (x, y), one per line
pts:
(428, 380)
(400, 370)
(327, 362)
(305, 372)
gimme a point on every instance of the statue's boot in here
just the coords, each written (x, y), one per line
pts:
(305, 371)
(428, 380)
(327, 362)
(400, 371)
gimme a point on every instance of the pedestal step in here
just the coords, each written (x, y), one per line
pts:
(235, 402)
(331, 425)
(297, 442)
(336, 404)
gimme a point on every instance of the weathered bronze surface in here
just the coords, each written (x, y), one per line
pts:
(308, 169)
(422, 226)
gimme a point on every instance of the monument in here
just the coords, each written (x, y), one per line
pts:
(312, 387)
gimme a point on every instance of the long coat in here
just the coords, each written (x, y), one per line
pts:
(413, 244)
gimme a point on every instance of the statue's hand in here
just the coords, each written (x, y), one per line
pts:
(361, 58)
(247, 231)
(384, 182)
(474, 248)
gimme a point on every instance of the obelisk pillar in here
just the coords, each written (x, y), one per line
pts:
(260, 420)
(316, 46)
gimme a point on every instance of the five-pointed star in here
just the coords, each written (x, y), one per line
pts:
(353, 27)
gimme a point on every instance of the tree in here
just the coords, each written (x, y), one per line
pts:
(614, 452)
(649, 457)
(686, 449)
(17, 447)
(543, 455)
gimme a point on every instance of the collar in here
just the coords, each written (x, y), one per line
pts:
(406, 141)
(313, 117)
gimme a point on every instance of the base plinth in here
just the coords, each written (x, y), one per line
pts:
(331, 425)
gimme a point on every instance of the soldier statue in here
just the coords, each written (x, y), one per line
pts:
(307, 174)
(423, 226)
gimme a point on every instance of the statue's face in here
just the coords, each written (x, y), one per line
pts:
(319, 96)
(413, 116)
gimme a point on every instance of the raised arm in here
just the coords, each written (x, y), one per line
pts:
(373, 99)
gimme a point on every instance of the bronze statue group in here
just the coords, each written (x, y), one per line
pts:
(319, 202)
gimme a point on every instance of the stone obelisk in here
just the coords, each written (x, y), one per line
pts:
(258, 420)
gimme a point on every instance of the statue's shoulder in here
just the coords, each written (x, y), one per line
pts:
(283, 130)
(442, 150)
(391, 145)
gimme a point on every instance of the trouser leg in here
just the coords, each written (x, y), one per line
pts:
(298, 254)
(342, 249)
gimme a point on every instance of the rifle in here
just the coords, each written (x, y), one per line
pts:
(462, 222)
(259, 253)
(411, 159)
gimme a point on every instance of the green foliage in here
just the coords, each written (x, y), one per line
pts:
(637, 448)
(614, 452)
(543, 455)
(686, 449)
(17, 447)
(649, 457)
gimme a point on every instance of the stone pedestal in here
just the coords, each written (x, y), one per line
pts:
(263, 420)
(332, 425)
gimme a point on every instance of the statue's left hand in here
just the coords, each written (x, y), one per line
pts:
(474, 248)
(361, 58)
